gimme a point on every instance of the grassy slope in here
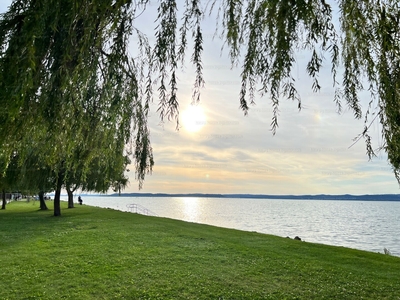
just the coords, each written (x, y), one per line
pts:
(94, 253)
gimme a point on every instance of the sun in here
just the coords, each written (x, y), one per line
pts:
(193, 118)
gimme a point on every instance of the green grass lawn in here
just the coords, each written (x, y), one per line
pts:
(95, 253)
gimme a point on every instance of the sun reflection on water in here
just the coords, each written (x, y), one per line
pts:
(190, 208)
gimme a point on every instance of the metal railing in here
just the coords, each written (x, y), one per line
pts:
(139, 209)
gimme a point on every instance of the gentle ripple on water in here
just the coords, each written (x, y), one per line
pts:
(365, 225)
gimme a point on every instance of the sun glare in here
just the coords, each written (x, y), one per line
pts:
(191, 208)
(193, 118)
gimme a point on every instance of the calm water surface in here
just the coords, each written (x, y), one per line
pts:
(365, 225)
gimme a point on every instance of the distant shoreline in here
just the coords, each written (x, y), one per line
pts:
(377, 197)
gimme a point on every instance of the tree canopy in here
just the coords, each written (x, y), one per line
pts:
(65, 65)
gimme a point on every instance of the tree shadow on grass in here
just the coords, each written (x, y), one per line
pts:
(23, 221)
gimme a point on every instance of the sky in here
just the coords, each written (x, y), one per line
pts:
(223, 151)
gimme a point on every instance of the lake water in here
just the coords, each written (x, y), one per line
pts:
(364, 225)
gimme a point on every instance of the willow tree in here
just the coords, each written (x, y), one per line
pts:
(66, 63)
(4, 163)
(35, 174)
(9, 179)
(64, 67)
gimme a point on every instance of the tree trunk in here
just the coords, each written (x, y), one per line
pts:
(57, 204)
(70, 197)
(43, 205)
(3, 206)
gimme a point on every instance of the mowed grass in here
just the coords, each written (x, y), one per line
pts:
(95, 253)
